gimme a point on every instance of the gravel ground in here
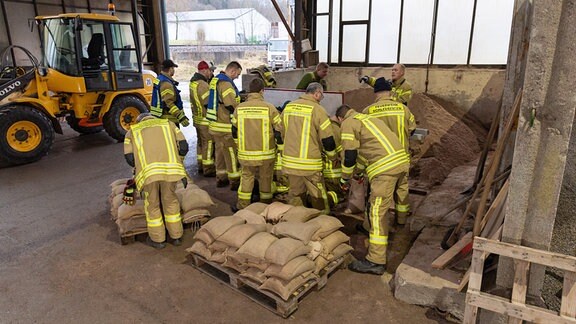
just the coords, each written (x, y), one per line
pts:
(563, 238)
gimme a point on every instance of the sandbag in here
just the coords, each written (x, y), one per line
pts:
(200, 248)
(239, 234)
(250, 217)
(195, 215)
(119, 189)
(116, 202)
(194, 199)
(333, 240)
(298, 231)
(219, 225)
(254, 249)
(285, 249)
(328, 225)
(357, 197)
(340, 251)
(231, 262)
(300, 214)
(285, 289)
(320, 263)
(217, 257)
(295, 267)
(257, 207)
(315, 249)
(262, 265)
(136, 224)
(254, 274)
(129, 211)
(274, 212)
(203, 235)
(217, 246)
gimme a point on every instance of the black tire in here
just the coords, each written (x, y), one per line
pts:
(122, 114)
(26, 135)
(73, 122)
(445, 244)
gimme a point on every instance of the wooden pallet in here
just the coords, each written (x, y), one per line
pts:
(140, 236)
(516, 308)
(266, 299)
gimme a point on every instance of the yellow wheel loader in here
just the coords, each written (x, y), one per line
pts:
(90, 74)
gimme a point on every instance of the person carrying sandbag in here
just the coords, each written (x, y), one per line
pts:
(156, 147)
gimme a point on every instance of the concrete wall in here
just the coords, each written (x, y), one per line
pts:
(476, 91)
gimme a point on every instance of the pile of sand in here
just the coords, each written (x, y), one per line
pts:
(449, 144)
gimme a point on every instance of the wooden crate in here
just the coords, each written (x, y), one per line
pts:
(266, 299)
(516, 308)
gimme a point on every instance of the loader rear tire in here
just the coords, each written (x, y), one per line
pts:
(73, 122)
(26, 135)
(122, 114)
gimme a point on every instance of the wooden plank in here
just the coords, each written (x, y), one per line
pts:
(496, 206)
(546, 258)
(464, 281)
(520, 286)
(568, 307)
(470, 312)
(495, 163)
(446, 257)
(476, 271)
(524, 312)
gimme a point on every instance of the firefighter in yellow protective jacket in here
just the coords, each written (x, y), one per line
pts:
(401, 89)
(307, 136)
(199, 91)
(369, 140)
(166, 101)
(156, 147)
(254, 124)
(401, 122)
(222, 100)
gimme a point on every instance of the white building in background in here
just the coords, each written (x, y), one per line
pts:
(231, 26)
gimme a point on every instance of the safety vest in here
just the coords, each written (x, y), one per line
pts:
(158, 106)
(197, 99)
(155, 152)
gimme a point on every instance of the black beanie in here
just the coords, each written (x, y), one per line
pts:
(382, 84)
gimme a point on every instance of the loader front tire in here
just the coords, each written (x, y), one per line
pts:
(122, 114)
(26, 135)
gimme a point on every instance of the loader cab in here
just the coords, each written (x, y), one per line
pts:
(96, 50)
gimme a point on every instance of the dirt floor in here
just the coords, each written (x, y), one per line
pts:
(61, 260)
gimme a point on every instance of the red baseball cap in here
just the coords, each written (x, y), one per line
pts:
(203, 66)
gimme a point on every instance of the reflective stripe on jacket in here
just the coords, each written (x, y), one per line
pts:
(199, 92)
(165, 96)
(396, 116)
(223, 93)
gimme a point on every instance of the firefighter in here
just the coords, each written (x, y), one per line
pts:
(256, 124)
(317, 76)
(166, 100)
(369, 140)
(307, 135)
(199, 91)
(401, 122)
(156, 147)
(222, 100)
(401, 89)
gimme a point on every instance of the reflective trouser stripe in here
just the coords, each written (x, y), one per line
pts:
(235, 174)
(402, 208)
(173, 218)
(375, 237)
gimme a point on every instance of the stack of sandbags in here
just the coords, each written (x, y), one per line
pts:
(278, 246)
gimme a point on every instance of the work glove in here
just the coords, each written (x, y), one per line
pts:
(364, 79)
(185, 182)
(129, 192)
(182, 119)
(344, 185)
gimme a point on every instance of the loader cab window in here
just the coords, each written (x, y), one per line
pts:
(93, 44)
(124, 48)
(60, 46)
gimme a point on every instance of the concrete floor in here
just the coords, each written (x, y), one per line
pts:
(61, 260)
